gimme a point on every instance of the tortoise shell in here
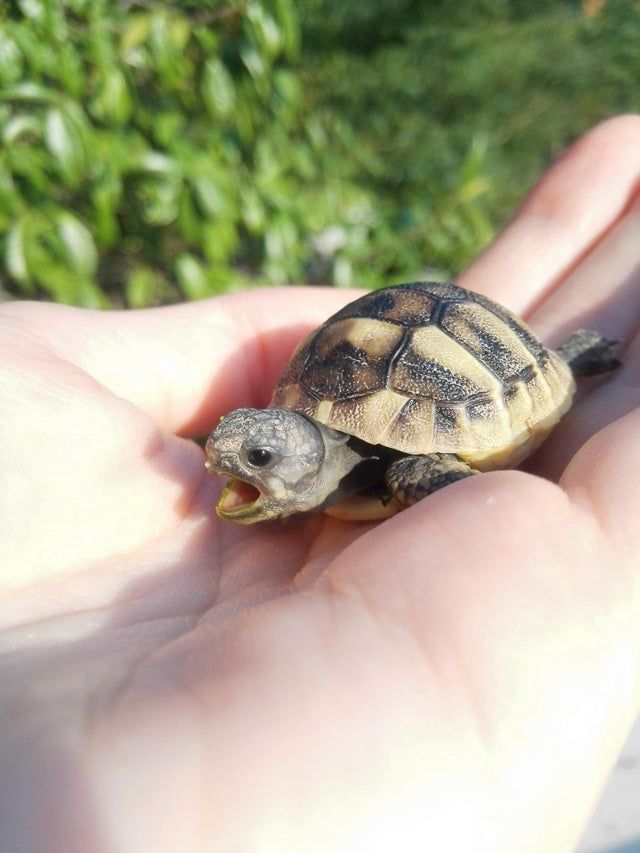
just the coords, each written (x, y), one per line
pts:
(430, 368)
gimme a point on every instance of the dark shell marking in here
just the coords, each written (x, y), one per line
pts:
(426, 368)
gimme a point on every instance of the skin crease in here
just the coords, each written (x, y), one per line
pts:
(172, 682)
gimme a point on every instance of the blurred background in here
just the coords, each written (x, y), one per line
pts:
(152, 152)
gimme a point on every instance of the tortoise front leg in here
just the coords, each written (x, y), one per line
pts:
(412, 478)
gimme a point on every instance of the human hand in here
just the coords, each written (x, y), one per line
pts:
(459, 677)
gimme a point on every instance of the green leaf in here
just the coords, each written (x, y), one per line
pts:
(29, 92)
(218, 92)
(189, 221)
(64, 143)
(160, 38)
(160, 200)
(21, 125)
(142, 287)
(256, 64)
(253, 212)
(155, 162)
(288, 87)
(135, 31)
(30, 164)
(10, 60)
(10, 201)
(69, 70)
(264, 29)
(79, 247)
(191, 277)
(55, 278)
(167, 127)
(33, 9)
(219, 240)
(167, 39)
(214, 196)
(105, 198)
(88, 294)
(289, 27)
(112, 103)
(476, 159)
(15, 253)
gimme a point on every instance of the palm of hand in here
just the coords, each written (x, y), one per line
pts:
(319, 684)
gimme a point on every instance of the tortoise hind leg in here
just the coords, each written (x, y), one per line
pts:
(412, 478)
(588, 353)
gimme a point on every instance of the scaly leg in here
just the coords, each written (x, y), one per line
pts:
(412, 478)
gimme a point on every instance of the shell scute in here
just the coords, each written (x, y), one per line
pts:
(349, 358)
(482, 333)
(429, 367)
(374, 414)
(436, 367)
(403, 305)
(413, 427)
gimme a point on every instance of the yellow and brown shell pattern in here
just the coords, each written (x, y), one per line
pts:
(430, 368)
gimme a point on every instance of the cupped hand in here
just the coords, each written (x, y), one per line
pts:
(459, 677)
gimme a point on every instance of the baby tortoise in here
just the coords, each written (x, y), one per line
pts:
(400, 393)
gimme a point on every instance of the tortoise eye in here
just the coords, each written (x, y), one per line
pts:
(260, 457)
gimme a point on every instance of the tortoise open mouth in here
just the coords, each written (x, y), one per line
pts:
(238, 500)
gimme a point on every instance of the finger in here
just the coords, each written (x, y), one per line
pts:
(604, 477)
(613, 398)
(568, 212)
(603, 293)
(185, 365)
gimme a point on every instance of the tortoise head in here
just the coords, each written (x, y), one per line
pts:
(279, 463)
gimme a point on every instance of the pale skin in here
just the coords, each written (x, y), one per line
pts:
(459, 677)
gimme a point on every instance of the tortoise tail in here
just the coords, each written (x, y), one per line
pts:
(588, 353)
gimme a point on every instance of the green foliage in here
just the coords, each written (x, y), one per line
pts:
(152, 151)
(456, 108)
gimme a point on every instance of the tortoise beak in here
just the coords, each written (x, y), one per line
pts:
(240, 502)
